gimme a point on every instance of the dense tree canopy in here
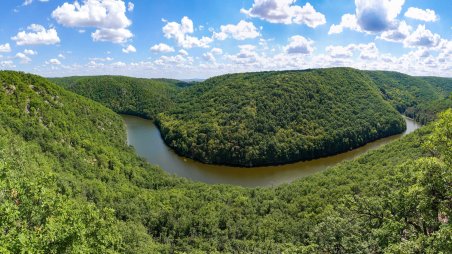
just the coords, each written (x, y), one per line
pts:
(133, 96)
(421, 98)
(69, 183)
(277, 117)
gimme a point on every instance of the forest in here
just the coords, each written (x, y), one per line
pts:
(69, 183)
(133, 96)
(278, 117)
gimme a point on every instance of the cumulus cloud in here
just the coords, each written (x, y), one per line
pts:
(243, 30)
(37, 35)
(367, 51)
(400, 33)
(299, 45)
(340, 51)
(347, 21)
(24, 59)
(107, 16)
(53, 61)
(371, 16)
(162, 48)
(28, 2)
(246, 55)
(7, 64)
(118, 64)
(5, 48)
(113, 35)
(130, 6)
(217, 51)
(209, 57)
(180, 31)
(183, 52)
(284, 11)
(30, 52)
(422, 38)
(377, 15)
(420, 14)
(129, 49)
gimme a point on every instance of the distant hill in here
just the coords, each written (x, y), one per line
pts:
(134, 96)
(277, 117)
(418, 97)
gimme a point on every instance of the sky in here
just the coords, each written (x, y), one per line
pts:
(188, 39)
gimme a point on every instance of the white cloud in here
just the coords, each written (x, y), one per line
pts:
(30, 52)
(38, 35)
(7, 64)
(398, 34)
(28, 2)
(209, 57)
(162, 47)
(347, 21)
(5, 48)
(61, 56)
(420, 14)
(243, 30)
(129, 49)
(100, 59)
(130, 6)
(422, 38)
(340, 51)
(24, 59)
(247, 55)
(107, 16)
(367, 51)
(118, 64)
(216, 51)
(183, 52)
(371, 16)
(179, 32)
(299, 45)
(284, 11)
(377, 15)
(174, 61)
(113, 35)
(53, 61)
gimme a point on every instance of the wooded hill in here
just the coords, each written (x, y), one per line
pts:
(69, 183)
(125, 95)
(264, 118)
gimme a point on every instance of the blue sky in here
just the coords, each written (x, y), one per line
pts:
(202, 38)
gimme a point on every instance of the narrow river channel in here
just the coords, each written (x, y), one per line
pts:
(145, 137)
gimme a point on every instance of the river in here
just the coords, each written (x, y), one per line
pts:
(145, 137)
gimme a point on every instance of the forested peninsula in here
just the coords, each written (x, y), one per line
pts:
(278, 117)
(69, 183)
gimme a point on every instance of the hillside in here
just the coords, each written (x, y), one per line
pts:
(277, 117)
(71, 184)
(133, 96)
(421, 98)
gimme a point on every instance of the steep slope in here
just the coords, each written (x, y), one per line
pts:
(134, 96)
(277, 117)
(64, 165)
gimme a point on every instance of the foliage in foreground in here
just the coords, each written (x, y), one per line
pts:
(65, 151)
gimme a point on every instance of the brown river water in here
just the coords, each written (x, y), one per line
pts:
(145, 137)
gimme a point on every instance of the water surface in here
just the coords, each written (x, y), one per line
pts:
(145, 137)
